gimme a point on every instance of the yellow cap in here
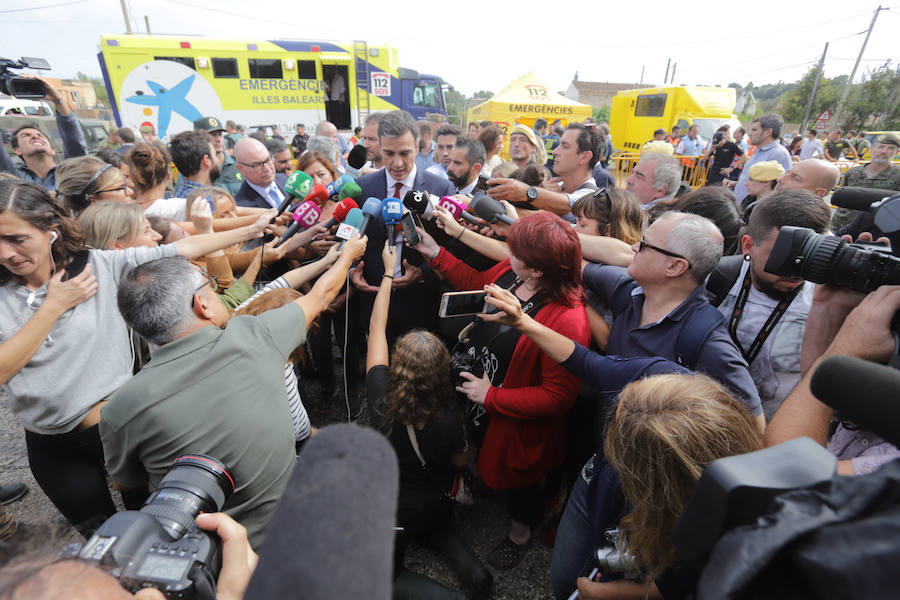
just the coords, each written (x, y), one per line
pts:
(767, 170)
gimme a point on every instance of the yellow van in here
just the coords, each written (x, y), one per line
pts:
(636, 114)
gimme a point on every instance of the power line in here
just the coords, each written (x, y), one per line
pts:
(14, 10)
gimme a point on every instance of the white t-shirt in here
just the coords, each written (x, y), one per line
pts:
(776, 369)
(168, 208)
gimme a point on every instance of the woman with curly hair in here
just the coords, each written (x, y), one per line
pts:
(413, 403)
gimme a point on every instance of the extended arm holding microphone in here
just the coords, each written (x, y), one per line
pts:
(866, 333)
(331, 282)
(377, 350)
(489, 247)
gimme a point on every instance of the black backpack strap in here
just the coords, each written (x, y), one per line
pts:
(722, 279)
(701, 323)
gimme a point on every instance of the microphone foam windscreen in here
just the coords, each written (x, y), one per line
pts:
(332, 533)
(298, 184)
(861, 391)
(857, 198)
(357, 156)
(355, 217)
(391, 211)
(350, 190)
(343, 207)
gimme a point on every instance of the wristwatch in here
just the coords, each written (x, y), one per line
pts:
(532, 194)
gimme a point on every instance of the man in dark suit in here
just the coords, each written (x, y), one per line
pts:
(262, 186)
(416, 288)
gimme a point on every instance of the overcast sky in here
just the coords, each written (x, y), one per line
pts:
(486, 44)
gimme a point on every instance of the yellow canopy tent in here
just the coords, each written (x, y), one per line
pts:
(522, 102)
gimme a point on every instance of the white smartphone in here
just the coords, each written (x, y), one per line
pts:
(458, 304)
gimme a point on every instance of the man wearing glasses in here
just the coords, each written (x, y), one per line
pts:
(36, 151)
(660, 306)
(262, 186)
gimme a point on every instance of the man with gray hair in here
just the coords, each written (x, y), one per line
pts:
(660, 306)
(209, 389)
(328, 129)
(326, 146)
(655, 178)
(262, 185)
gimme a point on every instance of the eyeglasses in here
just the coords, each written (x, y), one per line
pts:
(121, 188)
(645, 244)
(209, 280)
(259, 165)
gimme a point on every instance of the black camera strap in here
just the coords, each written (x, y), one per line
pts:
(764, 333)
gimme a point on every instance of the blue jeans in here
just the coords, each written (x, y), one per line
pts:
(595, 505)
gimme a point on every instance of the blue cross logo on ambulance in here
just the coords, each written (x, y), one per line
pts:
(169, 93)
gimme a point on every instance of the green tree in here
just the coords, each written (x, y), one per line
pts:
(456, 103)
(793, 103)
(874, 103)
(483, 94)
(600, 115)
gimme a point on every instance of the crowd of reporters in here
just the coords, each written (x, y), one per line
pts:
(143, 320)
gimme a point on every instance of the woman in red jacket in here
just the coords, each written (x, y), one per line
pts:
(523, 395)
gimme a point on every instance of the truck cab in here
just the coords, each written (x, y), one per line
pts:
(423, 96)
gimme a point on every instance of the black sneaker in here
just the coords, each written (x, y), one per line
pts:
(12, 492)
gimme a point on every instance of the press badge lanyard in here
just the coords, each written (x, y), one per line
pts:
(766, 330)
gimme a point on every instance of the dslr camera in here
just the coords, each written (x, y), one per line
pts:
(801, 252)
(22, 87)
(160, 546)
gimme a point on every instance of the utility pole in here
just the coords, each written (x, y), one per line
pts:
(147, 23)
(641, 84)
(672, 78)
(125, 16)
(815, 88)
(837, 113)
(666, 78)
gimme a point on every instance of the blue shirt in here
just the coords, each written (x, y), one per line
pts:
(773, 151)
(690, 147)
(184, 186)
(423, 161)
(718, 357)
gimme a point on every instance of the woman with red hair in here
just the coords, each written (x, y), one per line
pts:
(520, 401)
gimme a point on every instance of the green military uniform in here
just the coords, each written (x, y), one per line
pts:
(230, 179)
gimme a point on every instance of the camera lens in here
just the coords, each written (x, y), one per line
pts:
(801, 252)
(193, 484)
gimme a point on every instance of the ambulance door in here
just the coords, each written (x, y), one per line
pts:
(336, 75)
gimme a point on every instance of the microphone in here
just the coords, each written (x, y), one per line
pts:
(318, 194)
(861, 391)
(391, 213)
(305, 216)
(334, 188)
(340, 212)
(488, 209)
(346, 523)
(350, 190)
(350, 226)
(357, 157)
(419, 204)
(458, 209)
(859, 198)
(372, 210)
(297, 186)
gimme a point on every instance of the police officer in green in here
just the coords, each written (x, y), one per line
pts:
(230, 179)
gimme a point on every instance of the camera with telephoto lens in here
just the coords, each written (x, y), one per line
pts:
(614, 558)
(801, 252)
(22, 87)
(160, 546)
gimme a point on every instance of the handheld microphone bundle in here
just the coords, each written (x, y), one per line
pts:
(318, 194)
(334, 188)
(305, 216)
(458, 209)
(488, 209)
(391, 213)
(357, 156)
